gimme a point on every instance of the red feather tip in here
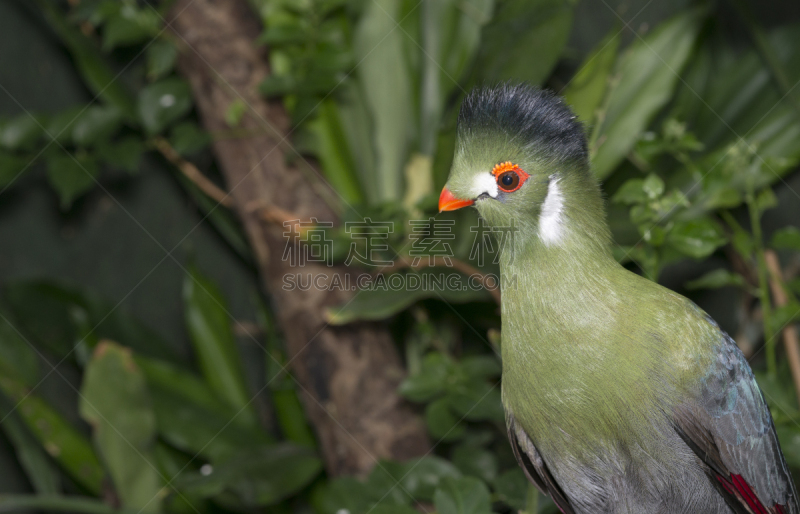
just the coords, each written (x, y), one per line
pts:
(741, 490)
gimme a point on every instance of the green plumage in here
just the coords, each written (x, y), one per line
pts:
(604, 372)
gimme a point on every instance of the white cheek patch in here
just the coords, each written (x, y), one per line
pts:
(550, 223)
(484, 183)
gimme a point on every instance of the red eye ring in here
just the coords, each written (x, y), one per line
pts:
(509, 176)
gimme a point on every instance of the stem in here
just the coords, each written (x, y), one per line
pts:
(23, 503)
(790, 338)
(763, 285)
(532, 500)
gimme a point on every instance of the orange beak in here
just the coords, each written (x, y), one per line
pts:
(448, 202)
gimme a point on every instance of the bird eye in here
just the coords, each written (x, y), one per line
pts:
(508, 181)
(509, 176)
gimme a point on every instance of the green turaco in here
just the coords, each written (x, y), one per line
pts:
(621, 396)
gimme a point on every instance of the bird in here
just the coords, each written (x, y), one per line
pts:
(621, 396)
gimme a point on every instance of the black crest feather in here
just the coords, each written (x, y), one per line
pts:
(539, 119)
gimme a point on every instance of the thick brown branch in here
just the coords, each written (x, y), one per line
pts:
(348, 375)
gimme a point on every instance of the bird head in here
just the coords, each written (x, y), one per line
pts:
(520, 153)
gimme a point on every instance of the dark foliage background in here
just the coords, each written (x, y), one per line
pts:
(142, 368)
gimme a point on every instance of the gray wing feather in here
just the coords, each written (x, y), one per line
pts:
(730, 428)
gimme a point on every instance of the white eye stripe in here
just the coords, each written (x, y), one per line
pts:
(484, 183)
(550, 228)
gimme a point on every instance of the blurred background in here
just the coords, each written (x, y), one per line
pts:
(165, 166)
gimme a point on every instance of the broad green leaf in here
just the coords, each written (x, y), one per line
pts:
(381, 302)
(20, 133)
(124, 153)
(631, 192)
(653, 186)
(57, 436)
(524, 40)
(586, 90)
(18, 357)
(45, 310)
(476, 462)
(696, 238)
(512, 487)
(162, 103)
(130, 25)
(71, 175)
(115, 401)
(384, 77)
(645, 79)
(161, 56)
(716, 279)
(187, 138)
(786, 238)
(57, 503)
(91, 64)
(258, 476)
(789, 437)
(96, 123)
(443, 425)
(464, 495)
(11, 167)
(209, 326)
(197, 430)
(480, 366)
(333, 151)
(430, 382)
(476, 401)
(59, 126)
(420, 477)
(39, 468)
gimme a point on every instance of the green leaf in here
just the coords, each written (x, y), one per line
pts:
(11, 167)
(442, 424)
(631, 192)
(512, 487)
(187, 138)
(18, 358)
(130, 25)
(430, 382)
(789, 437)
(384, 76)
(716, 279)
(421, 477)
(96, 123)
(209, 326)
(20, 133)
(645, 79)
(476, 401)
(58, 437)
(115, 401)
(234, 112)
(162, 103)
(696, 238)
(39, 468)
(332, 148)
(259, 476)
(476, 462)
(382, 302)
(161, 56)
(464, 495)
(518, 27)
(125, 153)
(786, 238)
(96, 72)
(586, 90)
(765, 200)
(53, 502)
(71, 175)
(653, 186)
(480, 366)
